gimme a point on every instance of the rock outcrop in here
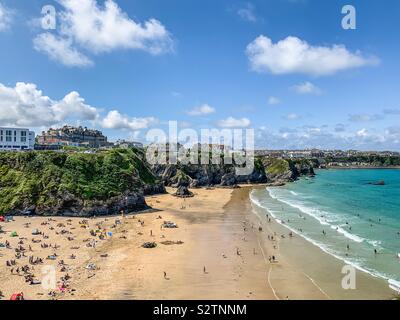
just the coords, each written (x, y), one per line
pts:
(183, 192)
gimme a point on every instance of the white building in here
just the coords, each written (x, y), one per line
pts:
(12, 139)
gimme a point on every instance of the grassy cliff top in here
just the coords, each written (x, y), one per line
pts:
(39, 178)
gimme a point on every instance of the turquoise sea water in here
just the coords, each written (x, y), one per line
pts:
(356, 217)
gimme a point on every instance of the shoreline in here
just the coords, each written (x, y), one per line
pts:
(329, 273)
(220, 250)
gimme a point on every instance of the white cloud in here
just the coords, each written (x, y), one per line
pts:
(273, 100)
(115, 120)
(234, 123)
(85, 24)
(202, 110)
(25, 105)
(362, 133)
(293, 55)
(5, 17)
(60, 49)
(247, 13)
(307, 88)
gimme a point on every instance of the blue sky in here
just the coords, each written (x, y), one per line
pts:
(286, 68)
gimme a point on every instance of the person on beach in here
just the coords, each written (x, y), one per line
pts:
(165, 275)
(204, 270)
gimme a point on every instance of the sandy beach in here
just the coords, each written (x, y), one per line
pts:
(220, 250)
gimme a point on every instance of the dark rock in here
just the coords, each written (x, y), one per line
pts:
(194, 183)
(149, 245)
(183, 192)
(228, 180)
(378, 183)
(151, 189)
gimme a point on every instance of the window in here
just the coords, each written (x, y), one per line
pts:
(23, 136)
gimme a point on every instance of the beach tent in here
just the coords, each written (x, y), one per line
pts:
(2, 219)
(17, 296)
(14, 234)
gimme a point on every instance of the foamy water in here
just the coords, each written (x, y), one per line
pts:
(345, 216)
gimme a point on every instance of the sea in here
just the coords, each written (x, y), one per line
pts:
(346, 214)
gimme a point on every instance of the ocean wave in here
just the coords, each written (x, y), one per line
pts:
(348, 234)
(393, 284)
(317, 213)
(313, 212)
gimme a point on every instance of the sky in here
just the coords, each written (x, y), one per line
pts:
(285, 68)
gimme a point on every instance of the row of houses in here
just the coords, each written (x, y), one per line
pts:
(19, 139)
(319, 154)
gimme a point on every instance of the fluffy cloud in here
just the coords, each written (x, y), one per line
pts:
(115, 120)
(5, 17)
(60, 49)
(234, 123)
(362, 133)
(202, 110)
(25, 105)
(247, 13)
(84, 24)
(307, 88)
(273, 101)
(293, 55)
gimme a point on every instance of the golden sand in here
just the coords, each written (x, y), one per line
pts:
(220, 250)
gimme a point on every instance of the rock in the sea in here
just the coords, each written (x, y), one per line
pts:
(183, 192)
(378, 183)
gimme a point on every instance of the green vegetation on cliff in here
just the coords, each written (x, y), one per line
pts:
(277, 166)
(372, 160)
(41, 178)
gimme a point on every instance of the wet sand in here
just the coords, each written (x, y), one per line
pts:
(324, 271)
(220, 250)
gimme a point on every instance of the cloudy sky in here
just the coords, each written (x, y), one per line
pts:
(286, 68)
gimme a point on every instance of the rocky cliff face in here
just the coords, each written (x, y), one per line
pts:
(205, 175)
(273, 171)
(75, 184)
